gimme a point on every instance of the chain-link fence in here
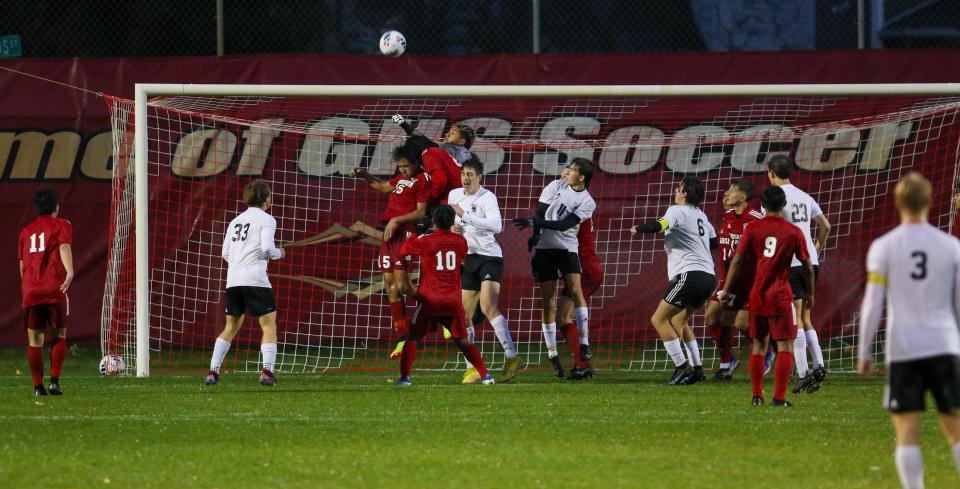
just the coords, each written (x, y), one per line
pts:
(51, 28)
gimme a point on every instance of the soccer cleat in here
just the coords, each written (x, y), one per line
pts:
(471, 376)
(803, 384)
(212, 378)
(403, 381)
(54, 389)
(398, 350)
(725, 374)
(510, 368)
(757, 401)
(694, 376)
(679, 373)
(557, 367)
(783, 403)
(578, 373)
(585, 355)
(267, 378)
(819, 374)
(446, 333)
(768, 360)
(39, 391)
(488, 380)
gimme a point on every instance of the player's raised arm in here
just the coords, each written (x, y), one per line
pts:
(376, 183)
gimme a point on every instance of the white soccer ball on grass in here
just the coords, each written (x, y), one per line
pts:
(112, 365)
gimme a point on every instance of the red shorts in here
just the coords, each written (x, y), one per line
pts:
(780, 328)
(390, 257)
(738, 297)
(424, 322)
(42, 315)
(591, 278)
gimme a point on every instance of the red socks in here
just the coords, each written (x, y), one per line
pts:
(473, 356)
(35, 359)
(781, 375)
(572, 336)
(756, 374)
(58, 351)
(407, 357)
(722, 337)
(398, 314)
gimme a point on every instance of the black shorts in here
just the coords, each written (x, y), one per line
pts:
(479, 268)
(908, 383)
(797, 284)
(691, 289)
(550, 265)
(257, 301)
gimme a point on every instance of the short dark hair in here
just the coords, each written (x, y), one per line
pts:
(585, 168)
(781, 166)
(744, 185)
(256, 192)
(694, 189)
(420, 143)
(474, 163)
(46, 201)
(408, 153)
(773, 198)
(443, 217)
(466, 132)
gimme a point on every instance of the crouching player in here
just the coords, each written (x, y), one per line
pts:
(440, 304)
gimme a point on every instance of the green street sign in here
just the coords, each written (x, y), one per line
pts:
(10, 46)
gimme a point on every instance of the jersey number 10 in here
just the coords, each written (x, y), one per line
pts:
(450, 263)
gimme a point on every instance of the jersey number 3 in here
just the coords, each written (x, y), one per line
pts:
(921, 263)
(241, 230)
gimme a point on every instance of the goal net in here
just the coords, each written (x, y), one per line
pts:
(201, 150)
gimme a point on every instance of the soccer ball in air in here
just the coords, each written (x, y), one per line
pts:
(112, 365)
(392, 44)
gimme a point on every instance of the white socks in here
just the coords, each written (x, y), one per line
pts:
(675, 352)
(581, 315)
(550, 338)
(800, 353)
(813, 344)
(220, 349)
(909, 464)
(693, 349)
(269, 351)
(956, 456)
(499, 324)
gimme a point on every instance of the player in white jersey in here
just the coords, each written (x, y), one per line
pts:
(916, 269)
(247, 246)
(564, 203)
(802, 210)
(688, 239)
(478, 220)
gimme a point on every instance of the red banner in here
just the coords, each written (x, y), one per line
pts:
(57, 137)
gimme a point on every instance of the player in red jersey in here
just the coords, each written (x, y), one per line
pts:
(409, 192)
(46, 272)
(443, 169)
(722, 317)
(771, 243)
(439, 293)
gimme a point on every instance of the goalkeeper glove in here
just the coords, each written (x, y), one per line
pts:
(522, 222)
(400, 121)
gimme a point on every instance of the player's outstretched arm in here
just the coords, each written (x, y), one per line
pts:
(66, 257)
(405, 125)
(562, 225)
(651, 226)
(374, 182)
(823, 232)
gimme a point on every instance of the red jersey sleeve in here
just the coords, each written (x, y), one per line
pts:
(66, 234)
(744, 248)
(438, 179)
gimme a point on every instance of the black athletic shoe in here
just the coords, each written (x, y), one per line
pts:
(585, 353)
(557, 367)
(679, 373)
(757, 401)
(783, 403)
(577, 373)
(803, 384)
(818, 375)
(695, 375)
(54, 389)
(39, 391)
(722, 375)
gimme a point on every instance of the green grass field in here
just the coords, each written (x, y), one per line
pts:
(620, 429)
